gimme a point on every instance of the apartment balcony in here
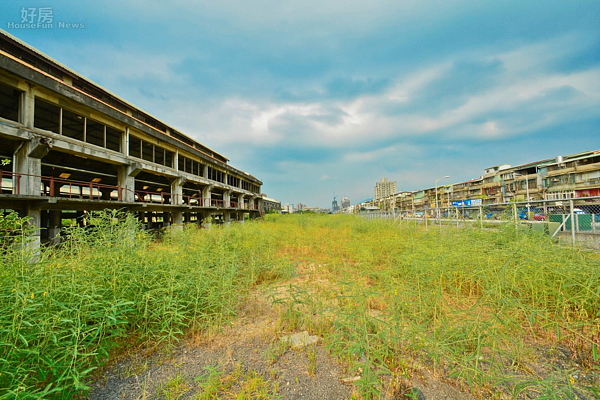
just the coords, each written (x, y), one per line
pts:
(491, 185)
(588, 167)
(562, 171)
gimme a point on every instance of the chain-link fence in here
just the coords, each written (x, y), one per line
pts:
(573, 221)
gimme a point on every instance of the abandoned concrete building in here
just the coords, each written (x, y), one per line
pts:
(69, 146)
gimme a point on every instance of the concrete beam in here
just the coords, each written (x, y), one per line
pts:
(39, 147)
(75, 147)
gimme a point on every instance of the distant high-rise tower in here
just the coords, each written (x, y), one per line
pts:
(334, 205)
(384, 188)
(345, 202)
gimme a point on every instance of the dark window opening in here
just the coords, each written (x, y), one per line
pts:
(147, 151)
(159, 156)
(200, 170)
(72, 125)
(94, 133)
(46, 116)
(113, 139)
(135, 147)
(169, 158)
(9, 103)
(233, 181)
(181, 163)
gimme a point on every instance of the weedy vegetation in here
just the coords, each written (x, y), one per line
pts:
(494, 312)
(65, 310)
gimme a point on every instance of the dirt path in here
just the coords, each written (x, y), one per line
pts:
(247, 359)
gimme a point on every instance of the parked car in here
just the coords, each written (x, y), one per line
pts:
(540, 217)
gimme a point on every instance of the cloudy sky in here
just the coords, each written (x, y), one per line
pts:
(317, 97)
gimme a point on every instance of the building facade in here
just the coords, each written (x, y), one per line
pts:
(71, 146)
(384, 188)
(563, 177)
(270, 205)
(345, 202)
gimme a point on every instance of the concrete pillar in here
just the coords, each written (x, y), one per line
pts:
(260, 203)
(27, 160)
(166, 219)
(178, 219)
(205, 172)
(126, 180)
(227, 198)
(35, 220)
(125, 142)
(227, 217)
(28, 107)
(177, 190)
(241, 201)
(55, 226)
(206, 220)
(206, 196)
(149, 215)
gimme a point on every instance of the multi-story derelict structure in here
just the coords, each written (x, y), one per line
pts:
(69, 146)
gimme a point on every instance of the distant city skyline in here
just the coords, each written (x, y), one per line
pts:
(407, 90)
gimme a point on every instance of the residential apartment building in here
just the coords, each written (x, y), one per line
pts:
(573, 176)
(384, 188)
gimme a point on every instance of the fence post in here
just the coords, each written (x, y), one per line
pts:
(456, 217)
(515, 217)
(594, 224)
(572, 222)
(481, 217)
(425, 216)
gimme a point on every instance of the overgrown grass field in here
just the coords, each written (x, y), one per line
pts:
(488, 311)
